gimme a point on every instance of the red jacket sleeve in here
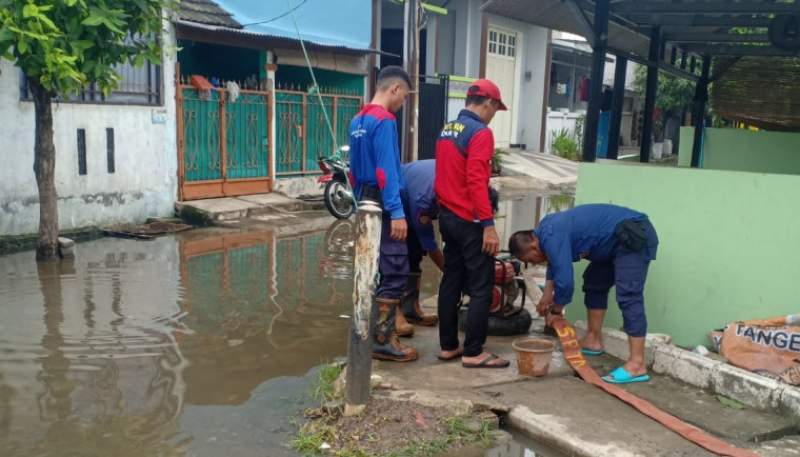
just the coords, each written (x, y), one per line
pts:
(479, 170)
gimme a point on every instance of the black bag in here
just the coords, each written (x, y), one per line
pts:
(631, 235)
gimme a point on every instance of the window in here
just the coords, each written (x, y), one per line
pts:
(137, 86)
(502, 43)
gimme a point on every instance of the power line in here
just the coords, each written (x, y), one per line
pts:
(266, 21)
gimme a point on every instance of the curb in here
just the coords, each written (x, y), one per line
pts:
(721, 378)
(547, 430)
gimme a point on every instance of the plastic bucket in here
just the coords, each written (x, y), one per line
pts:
(533, 356)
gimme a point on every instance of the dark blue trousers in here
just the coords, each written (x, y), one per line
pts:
(627, 270)
(393, 263)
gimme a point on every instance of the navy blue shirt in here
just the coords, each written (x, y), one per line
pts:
(419, 198)
(583, 232)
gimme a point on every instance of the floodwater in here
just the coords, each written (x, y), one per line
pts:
(200, 344)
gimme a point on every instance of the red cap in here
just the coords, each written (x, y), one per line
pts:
(488, 89)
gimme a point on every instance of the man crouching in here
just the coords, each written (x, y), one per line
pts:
(619, 243)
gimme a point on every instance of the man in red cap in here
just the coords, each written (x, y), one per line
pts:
(463, 168)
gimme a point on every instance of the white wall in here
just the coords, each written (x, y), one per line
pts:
(145, 181)
(530, 92)
(467, 37)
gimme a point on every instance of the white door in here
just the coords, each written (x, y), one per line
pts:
(501, 68)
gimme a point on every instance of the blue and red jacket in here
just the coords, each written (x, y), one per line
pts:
(375, 157)
(463, 155)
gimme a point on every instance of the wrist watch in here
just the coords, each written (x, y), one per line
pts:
(556, 312)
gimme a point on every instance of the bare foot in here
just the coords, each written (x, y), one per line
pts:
(450, 355)
(592, 342)
(635, 368)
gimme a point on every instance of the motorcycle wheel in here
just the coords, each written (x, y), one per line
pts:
(338, 204)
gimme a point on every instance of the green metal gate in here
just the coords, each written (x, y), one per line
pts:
(223, 145)
(303, 135)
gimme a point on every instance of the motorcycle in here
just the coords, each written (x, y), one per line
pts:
(338, 193)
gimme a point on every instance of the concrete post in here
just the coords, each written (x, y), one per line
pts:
(365, 274)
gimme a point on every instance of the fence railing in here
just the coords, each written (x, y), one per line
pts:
(302, 133)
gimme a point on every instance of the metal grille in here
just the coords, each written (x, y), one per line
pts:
(201, 130)
(302, 133)
(224, 144)
(137, 86)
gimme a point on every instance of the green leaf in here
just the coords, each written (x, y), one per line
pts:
(30, 10)
(22, 46)
(46, 21)
(93, 21)
(6, 35)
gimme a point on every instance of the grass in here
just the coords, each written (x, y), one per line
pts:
(459, 433)
(312, 436)
(323, 385)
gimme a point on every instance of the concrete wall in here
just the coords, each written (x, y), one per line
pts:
(727, 244)
(744, 150)
(145, 181)
(467, 38)
(529, 102)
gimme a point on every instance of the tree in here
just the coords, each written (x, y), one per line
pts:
(674, 93)
(62, 46)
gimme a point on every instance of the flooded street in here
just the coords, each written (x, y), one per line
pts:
(200, 344)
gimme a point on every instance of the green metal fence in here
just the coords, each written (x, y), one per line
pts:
(201, 134)
(302, 133)
(224, 142)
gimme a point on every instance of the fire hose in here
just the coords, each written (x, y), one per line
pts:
(572, 352)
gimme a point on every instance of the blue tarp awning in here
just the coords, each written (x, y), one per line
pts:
(346, 23)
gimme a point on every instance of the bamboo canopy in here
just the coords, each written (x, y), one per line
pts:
(761, 91)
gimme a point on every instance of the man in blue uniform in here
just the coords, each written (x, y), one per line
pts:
(375, 174)
(619, 243)
(419, 204)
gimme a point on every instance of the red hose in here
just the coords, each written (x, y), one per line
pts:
(572, 352)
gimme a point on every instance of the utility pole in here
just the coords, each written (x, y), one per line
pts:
(365, 274)
(411, 64)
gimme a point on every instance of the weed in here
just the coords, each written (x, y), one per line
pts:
(309, 439)
(498, 158)
(565, 145)
(323, 385)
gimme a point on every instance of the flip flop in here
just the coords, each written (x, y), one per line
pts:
(486, 363)
(592, 352)
(621, 376)
(457, 355)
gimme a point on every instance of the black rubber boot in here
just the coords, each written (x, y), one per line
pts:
(410, 303)
(385, 344)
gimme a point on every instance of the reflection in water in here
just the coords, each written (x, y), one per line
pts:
(195, 345)
(199, 344)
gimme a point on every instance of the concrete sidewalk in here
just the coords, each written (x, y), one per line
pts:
(562, 411)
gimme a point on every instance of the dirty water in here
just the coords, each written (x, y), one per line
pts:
(197, 344)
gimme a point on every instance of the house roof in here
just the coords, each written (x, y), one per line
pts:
(340, 26)
(206, 12)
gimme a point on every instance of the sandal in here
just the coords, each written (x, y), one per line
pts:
(486, 363)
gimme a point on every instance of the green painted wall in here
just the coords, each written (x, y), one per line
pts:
(327, 79)
(729, 244)
(744, 150)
